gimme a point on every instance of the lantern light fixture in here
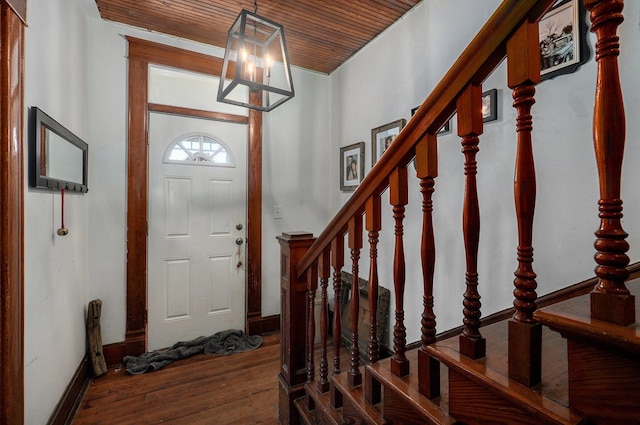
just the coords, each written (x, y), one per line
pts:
(255, 59)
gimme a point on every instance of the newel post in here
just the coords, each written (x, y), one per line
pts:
(293, 292)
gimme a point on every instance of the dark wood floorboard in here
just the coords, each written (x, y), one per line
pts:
(203, 389)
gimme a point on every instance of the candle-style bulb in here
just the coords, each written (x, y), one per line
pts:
(250, 71)
(267, 64)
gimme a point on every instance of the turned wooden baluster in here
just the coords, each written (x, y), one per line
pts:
(312, 286)
(469, 108)
(337, 261)
(426, 171)
(355, 244)
(525, 335)
(398, 198)
(373, 224)
(610, 299)
(324, 268)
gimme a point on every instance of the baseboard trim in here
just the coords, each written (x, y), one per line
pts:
(271, 324)
(263, 325)
(72, 397)
(114, 353)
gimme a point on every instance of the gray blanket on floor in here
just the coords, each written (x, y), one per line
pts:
(222, 343)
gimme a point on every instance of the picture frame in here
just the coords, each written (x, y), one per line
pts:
(351, 166)
(490, 105)
(563, 39)
(381, 138)
(446, 128)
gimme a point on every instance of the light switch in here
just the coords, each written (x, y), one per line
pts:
(277, 211)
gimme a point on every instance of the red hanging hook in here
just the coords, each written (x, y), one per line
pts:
(62, 231)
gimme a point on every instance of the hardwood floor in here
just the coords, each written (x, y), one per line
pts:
(203, 389)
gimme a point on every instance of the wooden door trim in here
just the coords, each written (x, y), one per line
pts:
(197, 113)
(255, 321)
(141, 54)
(12, 222)
(19, 8)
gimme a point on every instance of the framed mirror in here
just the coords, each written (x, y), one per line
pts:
(58, 159)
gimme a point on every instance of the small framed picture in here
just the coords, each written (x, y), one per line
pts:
(351, 166)
(563, 42)
(490, 105)
(446, 128)
(383, 136)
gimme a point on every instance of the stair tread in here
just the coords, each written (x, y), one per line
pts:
(323, 403)
(525, 398)
(554, 371)
(551, 397)
(574, 316)
(308, 418)
(434, 410)
(370, 413)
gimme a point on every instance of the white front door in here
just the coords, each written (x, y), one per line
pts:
(197, 220)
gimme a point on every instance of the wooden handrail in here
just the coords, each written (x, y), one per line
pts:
(479, 59)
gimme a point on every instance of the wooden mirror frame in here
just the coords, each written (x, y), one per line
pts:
(40, 175)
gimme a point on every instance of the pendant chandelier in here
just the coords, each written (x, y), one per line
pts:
(256, 59)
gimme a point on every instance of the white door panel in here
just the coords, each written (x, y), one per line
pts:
(196, 274)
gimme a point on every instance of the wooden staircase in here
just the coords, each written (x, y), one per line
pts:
(601, 381)
(568, 358)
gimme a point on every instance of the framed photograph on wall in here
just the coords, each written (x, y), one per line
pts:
(383, 136)
(490, 105)
(446, 128)
(351, 166)
(563, 40)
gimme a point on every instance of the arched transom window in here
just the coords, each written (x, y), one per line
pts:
(198, 149)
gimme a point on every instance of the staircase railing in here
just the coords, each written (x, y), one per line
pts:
(511, 33)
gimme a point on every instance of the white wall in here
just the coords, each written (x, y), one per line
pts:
(401, 66)
(56, 268)
(297, 160)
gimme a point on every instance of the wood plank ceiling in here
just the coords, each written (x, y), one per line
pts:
(320, 34)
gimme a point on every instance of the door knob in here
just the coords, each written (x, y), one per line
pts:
(239, 241)
(239, 226)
